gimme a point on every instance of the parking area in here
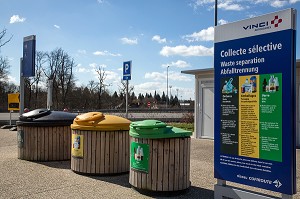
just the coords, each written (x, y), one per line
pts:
(26, 179)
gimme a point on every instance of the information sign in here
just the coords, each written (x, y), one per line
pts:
(139, 156)
(13, 101)
(127, 70)
(28, 65)
(255, 102)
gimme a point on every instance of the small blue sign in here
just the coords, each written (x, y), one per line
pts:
(127, 70)
(28, 64)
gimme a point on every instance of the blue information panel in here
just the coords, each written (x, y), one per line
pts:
(255, 102)
(28, 65)
(127, 70)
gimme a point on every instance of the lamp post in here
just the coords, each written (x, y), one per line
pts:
(167, 86)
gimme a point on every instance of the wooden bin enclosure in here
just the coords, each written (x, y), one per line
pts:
(165, 165)
(44, 135)
(100, 144)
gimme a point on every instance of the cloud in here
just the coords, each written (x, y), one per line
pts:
(12, 79)
(202, 35)
(177, 64)
(294, 1)
(158, 39)
(126, 40)
(229, 5)
(278, 3)
(57, 26)
(225, 4)
(157, 76)
(176, 76)
(185, 51)
(17, 19)
(222, 22)
(100, 1)
(106, 53)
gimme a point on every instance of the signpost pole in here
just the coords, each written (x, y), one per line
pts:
(126, 99)
(21, 89)
(10, 118)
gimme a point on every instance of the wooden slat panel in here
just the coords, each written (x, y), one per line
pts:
(149, 175)
(35, 144)
(171, 164)
(93, 145)
(176, 160)
(42, 144)
(181, 154)
(107, 162)
(185, 162)
(98, 151)
(26, 143)
(54, 142)
(166, 154)
(89, 151)
(116, 151)
(127, 151)
(154, 165)
(61, 143)
(160, 164)
(121, 149)
(38, 144)
(102, 153)
(188, 161)
(46, 141)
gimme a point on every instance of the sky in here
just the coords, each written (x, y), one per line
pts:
(153, 34)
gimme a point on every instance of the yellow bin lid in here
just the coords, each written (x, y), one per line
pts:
(97, 121)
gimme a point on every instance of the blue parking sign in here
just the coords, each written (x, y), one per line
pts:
(127, 70)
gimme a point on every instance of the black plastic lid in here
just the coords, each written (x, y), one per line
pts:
(45, 117)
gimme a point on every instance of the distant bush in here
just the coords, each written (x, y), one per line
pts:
(187, 118)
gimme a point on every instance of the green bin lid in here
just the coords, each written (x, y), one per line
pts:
(156, 129)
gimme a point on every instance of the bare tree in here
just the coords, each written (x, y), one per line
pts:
(101, 86)
(59, 68)
(2, 35)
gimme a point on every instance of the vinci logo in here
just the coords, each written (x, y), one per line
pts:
(264, 25)
(276, 21)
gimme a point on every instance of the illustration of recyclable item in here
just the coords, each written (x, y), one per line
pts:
(247, 87)
(228, 87)
(272, 85)
(77, 148)
(253, 83)
(265, 85)
(139, 156)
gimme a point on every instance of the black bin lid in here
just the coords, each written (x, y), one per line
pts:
(45, 117)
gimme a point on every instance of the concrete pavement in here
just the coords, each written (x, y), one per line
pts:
(25, 179)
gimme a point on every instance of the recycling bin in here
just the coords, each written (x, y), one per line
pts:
(159, 156)
(100, 144)
(44, 135)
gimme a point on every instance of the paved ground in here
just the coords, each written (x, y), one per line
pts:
(25, 179)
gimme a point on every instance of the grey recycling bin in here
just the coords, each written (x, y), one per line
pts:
(44, 135)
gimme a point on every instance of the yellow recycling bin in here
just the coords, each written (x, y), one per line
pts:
(100, 144)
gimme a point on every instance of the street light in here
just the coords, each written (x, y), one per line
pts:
(167, 86)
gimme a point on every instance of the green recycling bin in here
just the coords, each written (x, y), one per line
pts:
(159, 156)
